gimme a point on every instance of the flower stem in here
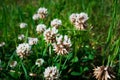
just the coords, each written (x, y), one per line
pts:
(50, 48)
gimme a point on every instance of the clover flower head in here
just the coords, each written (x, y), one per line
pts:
(13, 64)
(50, 35)
(42, 12)
(104, 73)
(51, 73)
(39, 62)
(79, 20)
(23, 25)
(21, 37)
(40, 28)
(32, 41)
(36, 17)
(23, 50)
(62, 45)
(56, 23)
(73, 17)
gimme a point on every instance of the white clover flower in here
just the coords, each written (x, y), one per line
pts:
(51, 73)
(50, 35)
(73, 18)
(23, 25)
(62, 45)
(32, 41)
(82, 17)
(23, 50)
(39, 62)
(13, 64)
(104, 73)
(56, 23)
(21, 37)
(79, 20)
(2, 44)
(41, 28)
(36, 17)
(42, 12)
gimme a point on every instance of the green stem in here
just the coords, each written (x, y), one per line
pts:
(50, 48)
(24, 69)
(60, 61)
(26, 36)
(119, 66)
(56, 58)
(63, 65)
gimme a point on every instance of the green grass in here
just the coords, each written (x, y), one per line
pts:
(104, 17)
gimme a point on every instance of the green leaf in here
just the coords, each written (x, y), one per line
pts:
(75, 60)
(69, 56)
(58, 65)
(75, 73)
(24, 69)
(16, 75)
(86, 68)
(91, 57)
(64, 67)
